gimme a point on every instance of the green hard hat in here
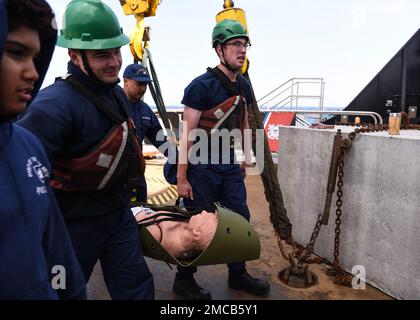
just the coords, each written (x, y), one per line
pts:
(90, 25)
(228, 29)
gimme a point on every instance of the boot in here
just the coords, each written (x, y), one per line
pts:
(189, 289)
(249, 284)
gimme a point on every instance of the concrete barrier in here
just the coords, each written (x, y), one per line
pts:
(381, 203)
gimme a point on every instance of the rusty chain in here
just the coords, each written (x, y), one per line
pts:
(338, 211)
(341, 276)
(303, 253)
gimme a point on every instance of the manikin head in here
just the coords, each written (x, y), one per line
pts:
(200, 231)
(183, 239)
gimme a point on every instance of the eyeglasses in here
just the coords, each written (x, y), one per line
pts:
(239, 45)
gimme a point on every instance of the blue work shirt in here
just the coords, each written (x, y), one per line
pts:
(205, 92)
(33, 236)
(147, 126)
(146, 122)
(35, 247)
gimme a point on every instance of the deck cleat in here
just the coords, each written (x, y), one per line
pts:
(297, 275)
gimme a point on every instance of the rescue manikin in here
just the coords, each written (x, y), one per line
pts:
(182, 239)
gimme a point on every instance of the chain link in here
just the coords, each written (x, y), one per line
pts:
(311, 245)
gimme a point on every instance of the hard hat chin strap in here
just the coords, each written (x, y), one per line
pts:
(225, 64)
(87, 66)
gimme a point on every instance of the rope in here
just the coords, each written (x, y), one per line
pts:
(273, 194)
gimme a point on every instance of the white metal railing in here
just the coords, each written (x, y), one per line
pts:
(300, 121)
(376, 116)
(293, 93)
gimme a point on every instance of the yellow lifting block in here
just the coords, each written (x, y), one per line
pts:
(233, 14)
(140, 9)
(145, 7)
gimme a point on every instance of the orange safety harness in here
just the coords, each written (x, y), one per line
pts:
(116, 159)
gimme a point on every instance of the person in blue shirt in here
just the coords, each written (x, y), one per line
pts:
(83, 122)
(37, 260)
(214, 101)
(136, 79)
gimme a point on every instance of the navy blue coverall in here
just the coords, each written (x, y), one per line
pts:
(215, 182)
(33, 236)
(36, 252)
(100, 222)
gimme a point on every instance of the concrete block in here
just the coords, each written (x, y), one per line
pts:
(381, 202)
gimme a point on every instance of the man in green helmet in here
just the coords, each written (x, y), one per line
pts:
(216, 101)
(83, 122)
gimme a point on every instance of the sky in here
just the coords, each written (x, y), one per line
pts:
(344, 42)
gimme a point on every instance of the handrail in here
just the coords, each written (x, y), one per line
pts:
(376, 117)
(290, 99)
(290, 80)
(291, 92)
(302, 121)
(274, 90)
(277, 95)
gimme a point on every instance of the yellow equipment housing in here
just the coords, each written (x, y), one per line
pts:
(145, 7)
(140, 9)
(234, 14)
